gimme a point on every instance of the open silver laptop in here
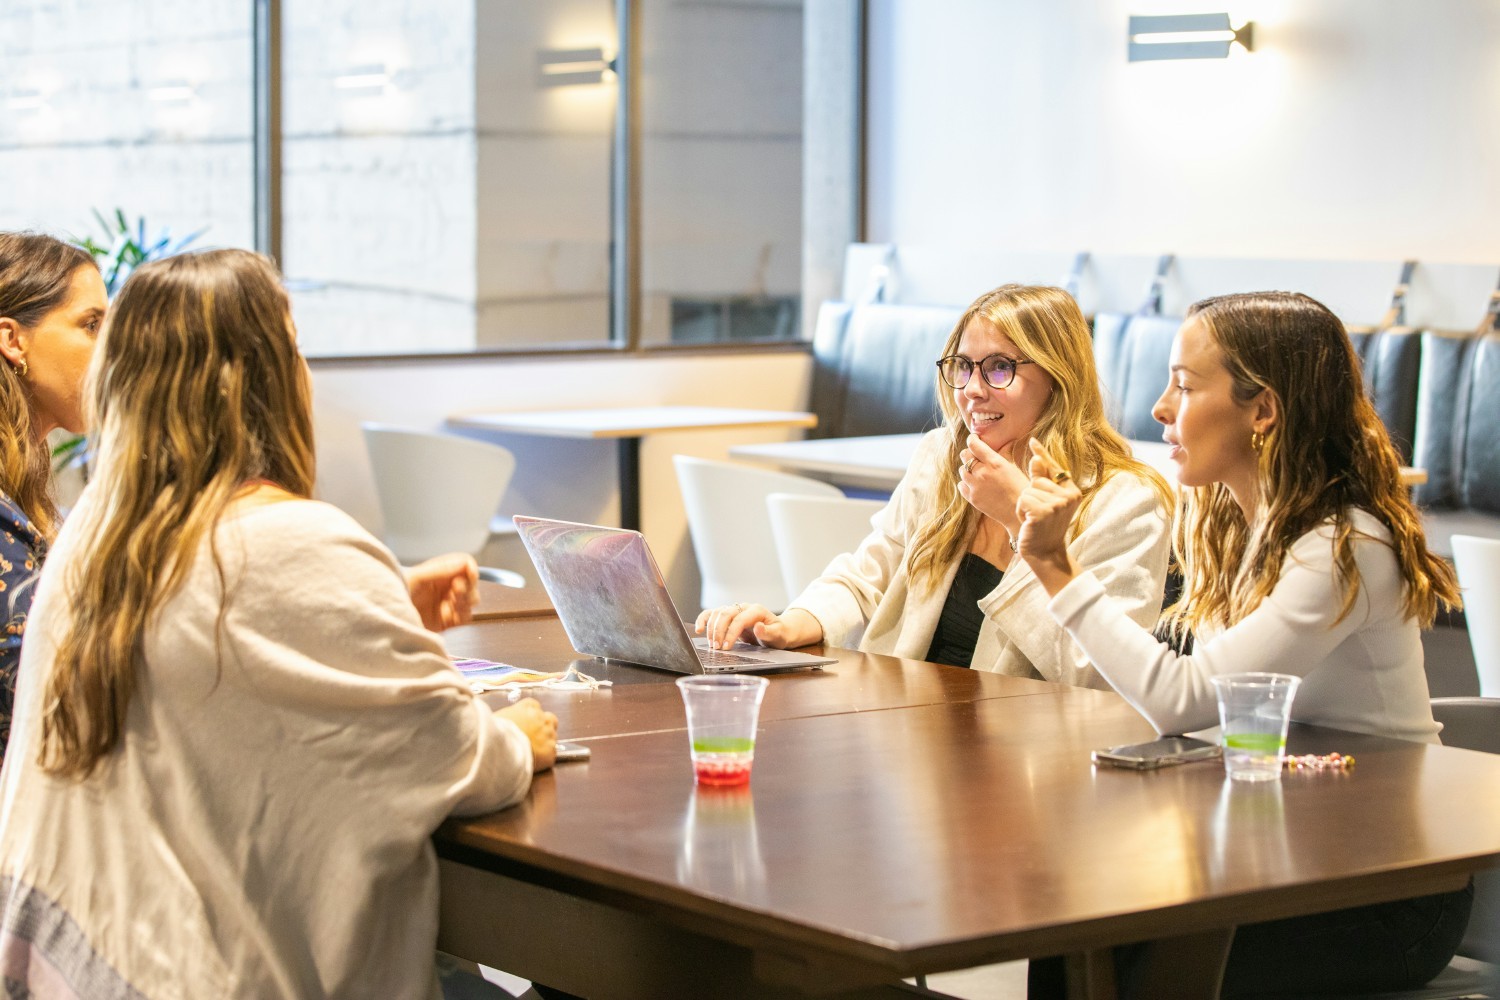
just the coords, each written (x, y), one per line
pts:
(614, 603)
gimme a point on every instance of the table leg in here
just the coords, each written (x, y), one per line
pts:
(630, 483)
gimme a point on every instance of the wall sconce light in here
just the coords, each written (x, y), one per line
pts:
(372, 77)
(571, 67)
(1186, 36)
(25, 100)
(173, 92)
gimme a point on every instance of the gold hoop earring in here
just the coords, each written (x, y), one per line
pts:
(1257, 441)
(22, 368)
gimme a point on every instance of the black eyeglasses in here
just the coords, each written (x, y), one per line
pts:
(998, 370)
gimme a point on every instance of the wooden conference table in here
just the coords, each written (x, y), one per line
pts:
(878, 462)
(906, 818)
(628, 425)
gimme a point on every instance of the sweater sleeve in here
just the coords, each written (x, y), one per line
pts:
(323, 623)
(1125, 548)
(1293, 630)
(845, 597)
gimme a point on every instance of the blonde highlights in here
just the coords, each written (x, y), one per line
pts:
(198, 390)
(36, 275)
(1047, 326)
(1327, 455)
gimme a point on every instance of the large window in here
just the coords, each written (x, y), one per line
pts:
(721, 170)
(135, 108)
(455, 175)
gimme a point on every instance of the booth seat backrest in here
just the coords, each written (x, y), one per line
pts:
(1391, 361)
(1457, 437)
(874, 368)
(1132, 353)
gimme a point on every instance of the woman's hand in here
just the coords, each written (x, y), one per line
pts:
(733, 623)
(1046, 508)
(444, 590)
(540, 728)
(991, 482)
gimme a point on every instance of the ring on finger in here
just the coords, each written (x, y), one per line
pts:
(969, 465)
(1061, 476)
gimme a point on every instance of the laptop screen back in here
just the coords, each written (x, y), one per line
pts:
(608, 592)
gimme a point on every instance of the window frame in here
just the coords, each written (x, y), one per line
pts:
(625, 188)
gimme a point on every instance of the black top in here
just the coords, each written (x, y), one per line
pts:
(958, 626)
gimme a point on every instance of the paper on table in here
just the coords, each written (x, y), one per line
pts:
(488, 675)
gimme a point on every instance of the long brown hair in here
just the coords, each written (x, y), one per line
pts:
(198, 390)
(1326, 456)
(1048, 327)
(36, 274)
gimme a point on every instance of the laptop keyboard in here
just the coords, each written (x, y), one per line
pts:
(721, 658)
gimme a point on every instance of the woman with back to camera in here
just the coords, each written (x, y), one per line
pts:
(234, 735)
(938, 579)
(52, 302)
(1302, 553)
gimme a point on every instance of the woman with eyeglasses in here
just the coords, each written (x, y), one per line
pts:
(1302, 553)
(938, 578)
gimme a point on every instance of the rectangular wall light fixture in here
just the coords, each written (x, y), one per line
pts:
(174, 92)
(372, 77)
(1186, 36)
(570, 67)
(25, 100)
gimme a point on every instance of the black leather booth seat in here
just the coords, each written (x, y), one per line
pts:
(874, 368)
(1457, 438)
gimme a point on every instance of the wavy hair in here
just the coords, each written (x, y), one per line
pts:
(1048, 327)
(1327, 455)
(198, 391)
(36, 274)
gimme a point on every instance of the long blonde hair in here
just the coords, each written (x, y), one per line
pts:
(36, 274)
(198, 390)
(1327, 455)
(1048, 327)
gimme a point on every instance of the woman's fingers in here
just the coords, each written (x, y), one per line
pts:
(724, 625)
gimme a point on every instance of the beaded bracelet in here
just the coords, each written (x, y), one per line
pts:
(1319, 762)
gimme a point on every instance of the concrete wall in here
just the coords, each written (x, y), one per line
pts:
(1357, 130)
(99, 141)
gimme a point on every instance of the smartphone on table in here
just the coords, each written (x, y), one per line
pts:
(572, 751)
(1158, 753)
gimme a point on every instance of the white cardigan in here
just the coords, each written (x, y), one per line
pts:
(263, 828)
(865, 598)
(1364, 674)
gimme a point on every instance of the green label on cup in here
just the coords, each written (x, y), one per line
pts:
(723, 744)
(1259, 742)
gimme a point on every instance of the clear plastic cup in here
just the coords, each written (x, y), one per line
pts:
(1254, 710)
(722, 710)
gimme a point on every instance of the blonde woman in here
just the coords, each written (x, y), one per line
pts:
(1302, 554)
(234, 735)
(938, 578)
(52, 302)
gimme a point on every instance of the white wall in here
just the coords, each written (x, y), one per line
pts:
(574, 480)
(1357, 130)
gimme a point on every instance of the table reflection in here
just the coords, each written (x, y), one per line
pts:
(1249, 830)
(721, 850)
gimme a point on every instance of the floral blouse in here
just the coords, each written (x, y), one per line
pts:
(22, 550)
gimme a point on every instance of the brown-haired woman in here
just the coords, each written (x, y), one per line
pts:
(1302, 554)
(938, 579)
(52, 302)
(234, 735)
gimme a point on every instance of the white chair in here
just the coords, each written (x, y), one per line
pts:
(438, 492)
(811, 530)
(1478, 562)
(731, 530)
